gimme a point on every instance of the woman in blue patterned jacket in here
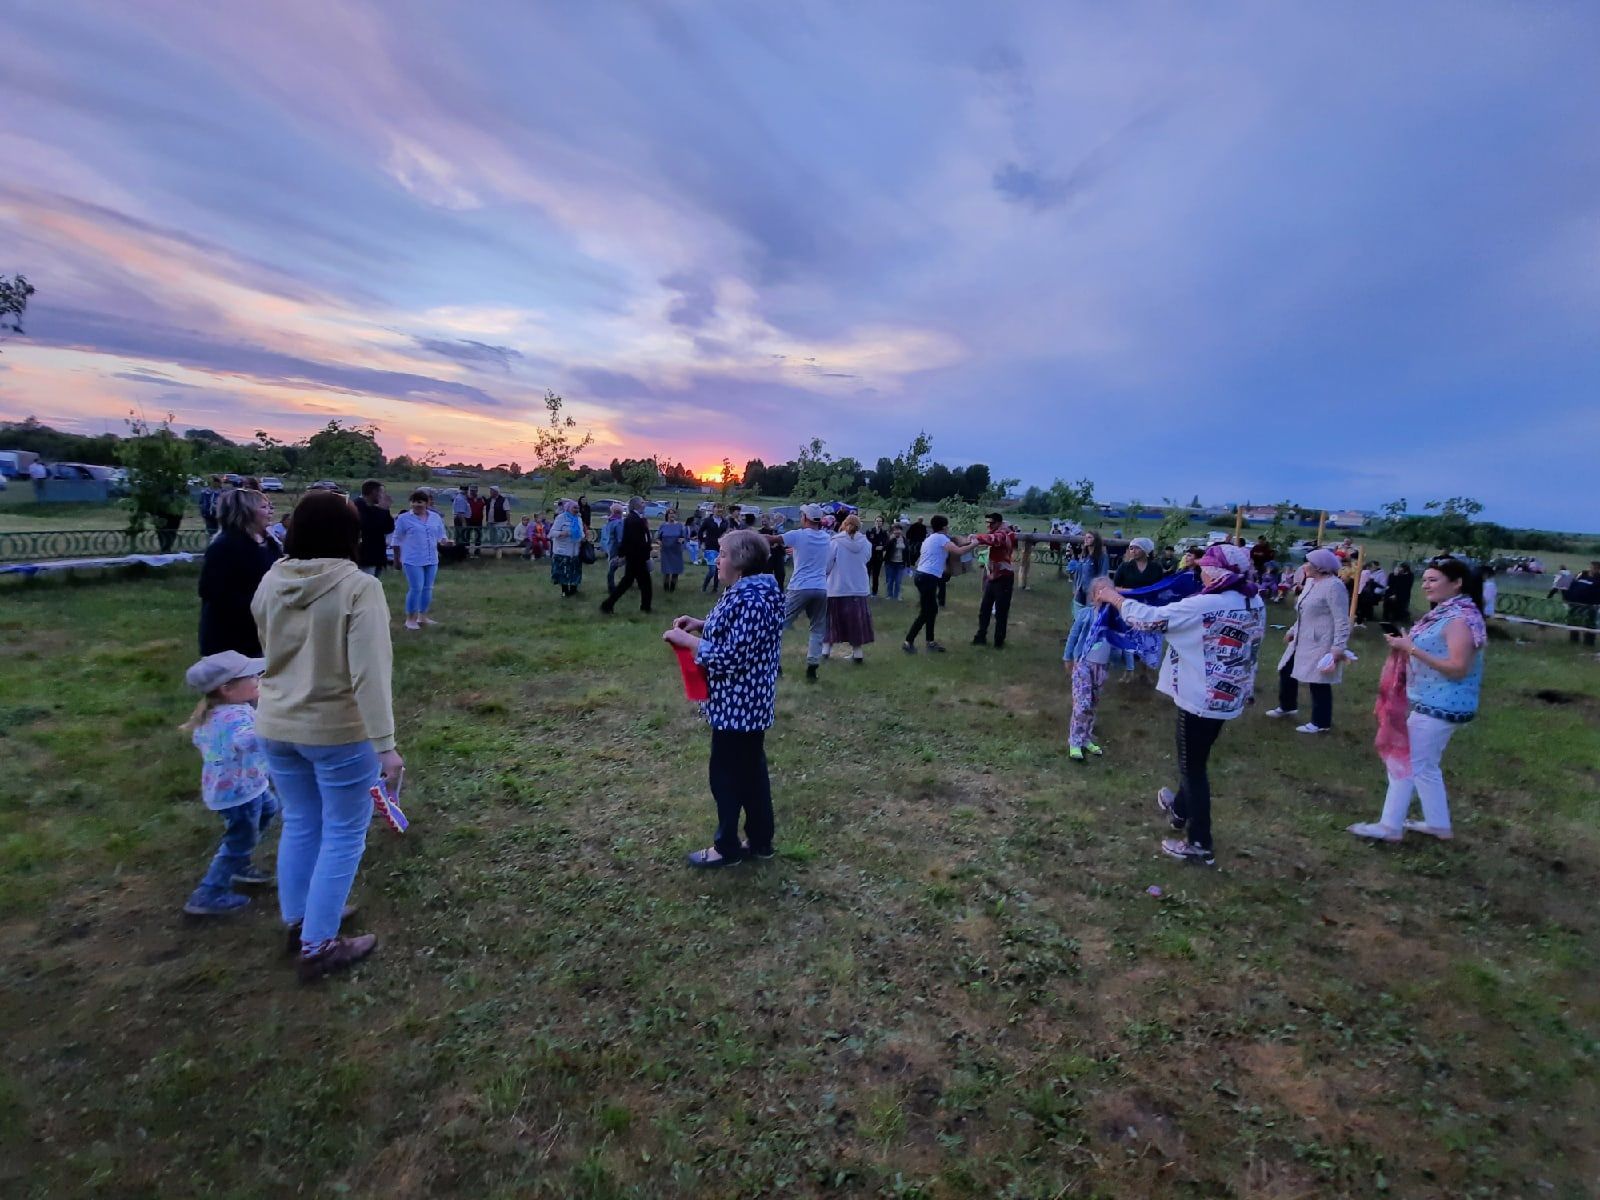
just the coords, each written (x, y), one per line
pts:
(737, 646)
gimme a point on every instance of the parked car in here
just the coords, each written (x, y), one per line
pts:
(326, 485)
(271, 483)
(656, 509)
(15, 463)
(74, 470)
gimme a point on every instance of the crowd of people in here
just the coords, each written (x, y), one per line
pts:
(295, 723)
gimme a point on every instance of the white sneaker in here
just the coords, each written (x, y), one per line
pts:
(1308, 727)
(413, 624)
(1443, 834)
(1378, 833)
(1275, 713)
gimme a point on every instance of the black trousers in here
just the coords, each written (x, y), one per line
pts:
(633, 571)
(927, 606)
(996, 600)
(874, 569)
(1196, 736)
(740, 783)
(1321, 697)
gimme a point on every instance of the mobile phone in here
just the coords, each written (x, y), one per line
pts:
(1390, 628)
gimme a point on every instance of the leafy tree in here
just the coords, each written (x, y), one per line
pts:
(1280, 534)
(556, 447)
(883, 477)
(820, 476)
(514, 470)
(909, 467)
(755, 475)
(975, 482)
(339, 452)
(938, 480)
(638, 475)
(1035, 500)
(158, 473)
(14, 293)
(1070, 500)
(729, 479)
(998, 490)
(1173, 525)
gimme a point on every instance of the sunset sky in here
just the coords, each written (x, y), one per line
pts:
(1255, 251)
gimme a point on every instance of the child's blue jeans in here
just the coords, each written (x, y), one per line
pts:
(327, 806)
(243, 826)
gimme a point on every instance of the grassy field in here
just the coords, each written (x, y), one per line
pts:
(952, 981)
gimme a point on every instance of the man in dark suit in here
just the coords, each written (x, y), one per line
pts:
(634, 550)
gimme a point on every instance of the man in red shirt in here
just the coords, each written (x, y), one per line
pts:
(998, 577)
(475, 509)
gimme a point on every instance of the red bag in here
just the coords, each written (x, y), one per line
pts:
(695, 686)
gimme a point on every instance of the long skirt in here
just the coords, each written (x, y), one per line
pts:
(566, 570)
(849, 621)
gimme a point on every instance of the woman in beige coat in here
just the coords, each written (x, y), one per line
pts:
(1321, 633)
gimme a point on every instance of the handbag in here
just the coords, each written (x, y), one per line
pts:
(586, 553)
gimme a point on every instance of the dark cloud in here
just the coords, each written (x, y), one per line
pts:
(697, 300)
(610, 385)
(469, 352)
(154, 377)
(75, 330)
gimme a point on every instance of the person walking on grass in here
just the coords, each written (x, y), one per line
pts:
(1087, 660)
(895, 560)
(998, 577)
(1318, 644)
(1209, 670)
(1429, 689)
(233, 776)
(711, 531)
(234, 563)
(418, 534)
(848, 575)
(377, 526)
(566, 545)
(738, 646)
(671, 535)
(326, 720)
(808, 585)
(933, 564)
(633, 551)
(610, 543)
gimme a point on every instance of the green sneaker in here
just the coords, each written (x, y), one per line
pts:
(1076, 754)
(1094, 750)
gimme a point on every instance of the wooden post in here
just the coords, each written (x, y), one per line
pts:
(1027, 561)
(1355, 592)
(1321, 521)
(1238, 521)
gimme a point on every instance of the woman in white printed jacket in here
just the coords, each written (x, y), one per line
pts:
(1213, 645)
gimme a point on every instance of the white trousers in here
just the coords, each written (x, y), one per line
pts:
(1429, 736)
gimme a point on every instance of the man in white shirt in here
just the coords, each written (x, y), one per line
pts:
(38, 472)
(808, 585)
(938, 548)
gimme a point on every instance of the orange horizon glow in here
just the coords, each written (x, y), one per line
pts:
(714, 475)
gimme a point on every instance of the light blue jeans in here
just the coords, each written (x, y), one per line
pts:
(419, 587)
(326, 793)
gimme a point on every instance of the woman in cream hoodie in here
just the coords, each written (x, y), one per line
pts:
(325, 719)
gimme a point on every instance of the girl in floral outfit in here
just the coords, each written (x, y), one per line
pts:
(233, 776)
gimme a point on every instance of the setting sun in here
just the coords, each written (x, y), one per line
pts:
(713, 474)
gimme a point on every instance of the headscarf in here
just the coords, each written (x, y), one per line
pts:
(1459, 605)
(1144, 544)
(1325, 561)
(1226, 569)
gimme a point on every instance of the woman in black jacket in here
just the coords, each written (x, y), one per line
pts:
(235, 562)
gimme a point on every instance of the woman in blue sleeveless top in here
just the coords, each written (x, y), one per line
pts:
(1444, 669)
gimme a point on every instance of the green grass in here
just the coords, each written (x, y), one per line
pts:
(950, 983)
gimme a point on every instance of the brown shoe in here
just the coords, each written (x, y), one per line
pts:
(291, 941)
(341, 954)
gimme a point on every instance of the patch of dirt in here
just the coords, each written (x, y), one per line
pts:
(1131, 1118)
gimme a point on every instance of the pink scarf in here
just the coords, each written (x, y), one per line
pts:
(1392, 709)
